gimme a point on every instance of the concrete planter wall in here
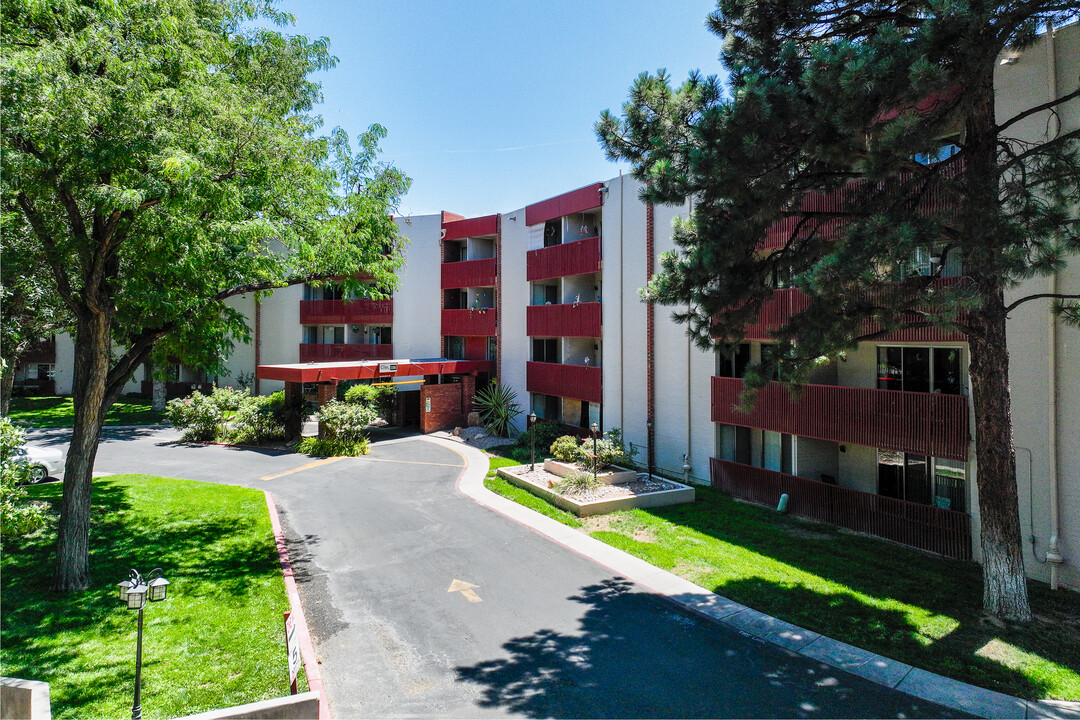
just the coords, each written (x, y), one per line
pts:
(681, 494)
(613, 475)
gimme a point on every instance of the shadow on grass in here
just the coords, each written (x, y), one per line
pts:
(637, 655)
(883, 572)
(209, 555)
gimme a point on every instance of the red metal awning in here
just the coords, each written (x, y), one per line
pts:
(366, 370)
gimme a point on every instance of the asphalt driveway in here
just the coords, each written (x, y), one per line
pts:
(423, 603)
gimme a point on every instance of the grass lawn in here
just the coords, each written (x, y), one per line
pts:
(217, 641)
(48, 412)
(892, 600)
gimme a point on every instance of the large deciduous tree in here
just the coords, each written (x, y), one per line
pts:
(164, 157)
(823, 167)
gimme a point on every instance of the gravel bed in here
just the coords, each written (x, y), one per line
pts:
(640, 486)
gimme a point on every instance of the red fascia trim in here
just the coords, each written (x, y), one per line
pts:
(361, 370)
(585, 198)
(473, 227)
(448, 216)
(931, 103)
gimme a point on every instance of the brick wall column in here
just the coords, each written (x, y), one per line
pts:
(650, 312)
(468, 392)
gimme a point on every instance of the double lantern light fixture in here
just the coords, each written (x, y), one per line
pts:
(134, 592)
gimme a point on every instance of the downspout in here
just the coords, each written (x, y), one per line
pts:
(1053, 553)
(686, 467)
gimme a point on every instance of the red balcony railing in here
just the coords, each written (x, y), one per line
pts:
(566, 320)
(468, 273)
(329, 352)
(788, 302)
(580, 382)
(923, 423)
(346, 312)
(42, 351)
(469, 322)
(572, 258)
(946, 532)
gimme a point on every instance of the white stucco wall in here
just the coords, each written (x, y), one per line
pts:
(417, 316)
(514, 297)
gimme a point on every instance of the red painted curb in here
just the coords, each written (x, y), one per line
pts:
(307, 649)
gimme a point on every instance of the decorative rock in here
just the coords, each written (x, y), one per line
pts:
(474, 419)
(457, 432)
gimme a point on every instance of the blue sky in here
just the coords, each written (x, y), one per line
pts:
(490, 105)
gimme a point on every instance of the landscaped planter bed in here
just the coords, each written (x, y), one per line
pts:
(641, 492)
(612, 475)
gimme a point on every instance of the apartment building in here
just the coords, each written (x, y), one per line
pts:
(545, 298)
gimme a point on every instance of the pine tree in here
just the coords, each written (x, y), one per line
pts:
(829, 146)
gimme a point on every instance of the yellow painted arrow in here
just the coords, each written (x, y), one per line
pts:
(465, 589)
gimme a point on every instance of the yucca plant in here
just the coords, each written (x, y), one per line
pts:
(497, 405)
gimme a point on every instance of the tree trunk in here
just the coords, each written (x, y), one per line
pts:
(1004, 581)
(158, 394)
(7, 383)
(92, 353)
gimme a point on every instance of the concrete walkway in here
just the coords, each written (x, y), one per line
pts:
(890, 673)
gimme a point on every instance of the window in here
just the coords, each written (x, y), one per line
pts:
(920, 369)
(545, 350)
(553, 232)
(547, 407)
(455, 347)
(492, 348)
(768, 352)
(545, 294)
(455, 299)
(946, 149)
(311, 334)
(333, 334)
(46, 371)
(734, 366)
(923, 480)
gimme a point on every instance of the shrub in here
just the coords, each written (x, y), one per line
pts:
(544, 432)
(17, 515)
(566, 449)
(258, 420)
(381, 398)
(228, 400)
(497, 405)
(326, 447)
(198, 415)
(609, 450)
(576, 483)
(344, 421)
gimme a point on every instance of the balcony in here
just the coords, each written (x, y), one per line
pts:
(785, 303)
(921, 423)
(580, 382)
(946, 532)
(566, 320)
(469, 273)
(41, 351)
(572, 258)
(333, 352)
(470, 322)
(346, 312)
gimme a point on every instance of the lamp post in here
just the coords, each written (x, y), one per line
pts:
(595, 429)
(532, 443)
(649, 433)
(134, 592)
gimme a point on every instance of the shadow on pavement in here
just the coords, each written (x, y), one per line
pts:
(634, 659)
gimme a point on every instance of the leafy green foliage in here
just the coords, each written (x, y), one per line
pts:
(381, 398)
(160, 159)
(566, 449)
(333, 447)
(258, 419)
(577, 483)
(497, 405)
(198, 415)
(344, 421)
(18, 517)
(543, 433)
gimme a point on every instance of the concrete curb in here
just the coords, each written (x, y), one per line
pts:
(881, 670)
(307, 648)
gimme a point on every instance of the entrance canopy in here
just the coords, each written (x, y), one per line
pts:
(370, 369)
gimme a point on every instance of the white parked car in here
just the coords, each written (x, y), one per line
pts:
(44, 462)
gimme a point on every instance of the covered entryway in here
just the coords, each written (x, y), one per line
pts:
(440, 398)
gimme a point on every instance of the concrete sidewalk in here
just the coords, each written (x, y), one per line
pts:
(890, 673)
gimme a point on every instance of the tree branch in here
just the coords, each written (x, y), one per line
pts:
(1039, 296)
(1059, 140)
(63, 284)
(1038, 108)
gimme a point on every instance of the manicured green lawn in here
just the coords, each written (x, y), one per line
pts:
(47, 412)
(523, 497)
(217, 641)
(892, 600)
